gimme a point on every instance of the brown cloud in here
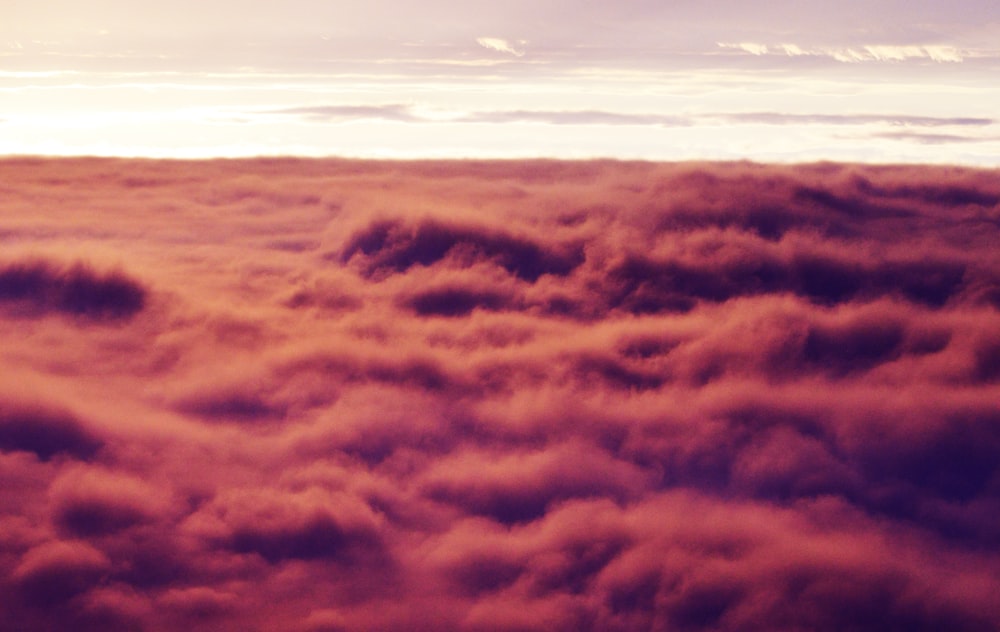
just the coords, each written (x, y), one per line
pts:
(293, 394)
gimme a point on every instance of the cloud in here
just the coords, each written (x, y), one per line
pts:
(91, 502)
(45, 431)
(757, 49)
(306, 525)
(933, 139)
(464, 395)
(52, 573)
(391, 246)
(518, 487)
(390, 112)
(855, 54)
(502, 45)
(76, 290)
(576, 117)
(410, 114)
(778, 118)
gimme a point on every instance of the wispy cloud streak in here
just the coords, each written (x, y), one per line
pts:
(411, 114)
(856, 54)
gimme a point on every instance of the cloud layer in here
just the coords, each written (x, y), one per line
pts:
(334, 395)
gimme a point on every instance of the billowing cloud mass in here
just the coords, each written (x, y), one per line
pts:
(282, 394)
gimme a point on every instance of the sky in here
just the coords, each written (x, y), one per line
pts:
(292, 395)
(874, 81)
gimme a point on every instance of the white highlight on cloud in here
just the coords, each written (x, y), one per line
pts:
(851, 55)
(501, 45)
(793, 50)
(944, 53)
(747, 47)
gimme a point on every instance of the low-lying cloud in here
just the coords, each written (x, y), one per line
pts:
(896, 126)
(285, 394)
(858, 54)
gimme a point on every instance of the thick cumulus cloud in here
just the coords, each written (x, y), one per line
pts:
(335, 395)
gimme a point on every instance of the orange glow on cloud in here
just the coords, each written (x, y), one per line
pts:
(292, 394)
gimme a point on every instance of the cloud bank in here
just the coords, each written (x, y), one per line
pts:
(858, 54)
(281, 394)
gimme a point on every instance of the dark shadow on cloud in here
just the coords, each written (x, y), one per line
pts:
(89, 503)
(319, 537)
(752, 202)
(987, 359)
(517, 488)
(457, 301)
(848, 203)
(45, 432)
(785, 456)
(484, 572)
(156, 560)
(852, 347)
(231, 405)
(417, 372)
(77, 290)
(783, 462)
(91, 518)
(647, 346)
(942, 194)
(956, 465)
(614, 373)
(394, 246)
(698, 607)
(642, 285)
(928, 282)
(52, 573)
(294, 526)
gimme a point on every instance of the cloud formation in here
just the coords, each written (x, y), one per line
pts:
(284, 394)
(856, 54)
(501, 45)
(410, 114)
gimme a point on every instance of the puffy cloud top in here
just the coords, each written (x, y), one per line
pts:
(336, 395)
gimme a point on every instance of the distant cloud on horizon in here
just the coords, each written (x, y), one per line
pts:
(855, 54)
(412, 114)
(502, 46)
(633, 79)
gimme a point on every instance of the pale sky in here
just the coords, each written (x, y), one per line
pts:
(882, 80)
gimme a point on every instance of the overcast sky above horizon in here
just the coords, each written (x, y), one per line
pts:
(871, 81)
